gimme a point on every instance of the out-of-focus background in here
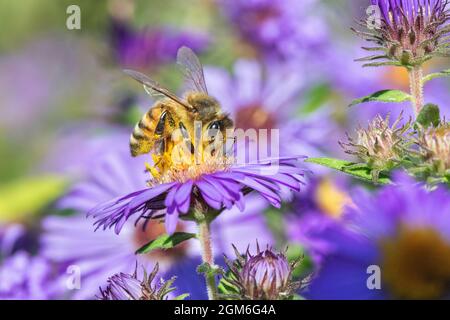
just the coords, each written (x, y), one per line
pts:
(66, 105)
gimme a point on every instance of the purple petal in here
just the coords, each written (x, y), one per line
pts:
(171, 221)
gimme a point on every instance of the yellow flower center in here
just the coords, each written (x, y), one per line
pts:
(330, 199)
(416, 264)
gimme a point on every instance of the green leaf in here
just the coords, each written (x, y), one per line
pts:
(23, 198)
(132, 116)
(274, 220)
(429, 115)
(165, 242)
(431, 76)
(296, 252)
(383, 96)
(359, 171)
(316, 98)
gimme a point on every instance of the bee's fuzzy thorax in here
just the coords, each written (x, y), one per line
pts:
(205, 106)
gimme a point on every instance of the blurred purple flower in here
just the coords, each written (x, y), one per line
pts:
(278, 28)
(38, 82)
(10, 237)
(403, 231)
(26, 277)
(23, 276)
(146, 48)
(72, 240)
(319, 204)
(93, 140)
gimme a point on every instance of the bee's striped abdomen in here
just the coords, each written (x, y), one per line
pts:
(143, 137)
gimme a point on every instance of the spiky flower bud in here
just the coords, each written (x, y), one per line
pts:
(434, 149)
(123, 286)
(267, 275)
(408, 32)
(380, 146)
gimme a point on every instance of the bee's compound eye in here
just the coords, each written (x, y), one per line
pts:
(215, 125)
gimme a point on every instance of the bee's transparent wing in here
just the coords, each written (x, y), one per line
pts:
(152, 87)
(192, 69)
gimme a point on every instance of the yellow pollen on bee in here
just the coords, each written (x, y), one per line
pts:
(330, 199)
(178, 163)
(416, 264)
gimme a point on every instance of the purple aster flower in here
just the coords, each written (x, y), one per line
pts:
(124, 286)
(267, 275)
(72, 240)
(278, 28)
(216, 184)
(146, 48)
(408, 32)
(10, 236)
(396, 244)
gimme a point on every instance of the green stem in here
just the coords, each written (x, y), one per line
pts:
(416, 86)
(207, 256)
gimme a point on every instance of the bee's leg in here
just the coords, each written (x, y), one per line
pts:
(153, 171)
(186, 138)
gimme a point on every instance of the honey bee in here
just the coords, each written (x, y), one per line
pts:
(153, 133)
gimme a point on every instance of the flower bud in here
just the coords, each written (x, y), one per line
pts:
(406, 33)
(264, 276)
(123, 286)
(381, 146)
(434, 149)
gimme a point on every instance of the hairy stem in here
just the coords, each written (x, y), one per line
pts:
(207, 256)
(416, 86)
